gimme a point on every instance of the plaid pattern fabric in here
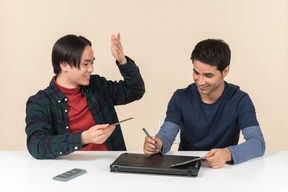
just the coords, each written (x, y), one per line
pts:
(47, 122)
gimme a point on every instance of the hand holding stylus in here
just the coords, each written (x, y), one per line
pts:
(152, 144)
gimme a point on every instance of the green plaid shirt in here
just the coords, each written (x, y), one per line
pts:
(47, 121)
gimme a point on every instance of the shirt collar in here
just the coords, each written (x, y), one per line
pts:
(55, 92)
(59, 95)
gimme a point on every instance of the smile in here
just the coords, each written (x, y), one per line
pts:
(203, 87)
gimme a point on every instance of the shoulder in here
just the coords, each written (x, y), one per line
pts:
(185, 92)
(40, 96)
(233, 92)
(182, 96)
(46, 96)
(97, 81)
(237, 97)
(38, 102)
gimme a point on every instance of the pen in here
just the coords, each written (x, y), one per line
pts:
(122, 121)
(151, 138)
(189, 161)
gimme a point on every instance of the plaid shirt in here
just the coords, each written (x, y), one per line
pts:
(47, 121)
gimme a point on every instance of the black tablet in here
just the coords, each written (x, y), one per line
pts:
(156, 164)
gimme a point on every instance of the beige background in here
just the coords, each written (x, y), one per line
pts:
(159, 35)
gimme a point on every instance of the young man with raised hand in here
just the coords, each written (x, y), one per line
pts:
(74, 112)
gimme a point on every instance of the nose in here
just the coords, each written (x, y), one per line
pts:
(90, 68)
(201, 80)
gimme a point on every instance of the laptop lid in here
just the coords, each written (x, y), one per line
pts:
(155, 164)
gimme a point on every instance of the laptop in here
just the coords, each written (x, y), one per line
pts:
(156, 164)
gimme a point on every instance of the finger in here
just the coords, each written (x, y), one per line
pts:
(156, 139)
(107, 130)
(149, 140)
(149, 152)
(210, 153)
(118, 36)
(113, 38)
(112, 126)
(149, 149)
(100, 126)
(110, 131)
(118, 46)
(118, 41)
(102, 135)
(210, 163)
(102, 130)
(149, 144)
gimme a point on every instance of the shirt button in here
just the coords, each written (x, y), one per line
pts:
(60, 153)
(67, 127)
(75, 147)
(59, 101)
(66, 99)
(66, 110)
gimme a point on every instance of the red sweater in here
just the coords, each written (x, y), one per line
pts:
(80, 117)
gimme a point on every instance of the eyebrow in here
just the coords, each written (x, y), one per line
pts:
(195, 71)
(206, 74)
(89, 60)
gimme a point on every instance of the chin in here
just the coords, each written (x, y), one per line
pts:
(203, 92)
(85, 83)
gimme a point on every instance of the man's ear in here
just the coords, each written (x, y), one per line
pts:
(64, 66)
(226, 71)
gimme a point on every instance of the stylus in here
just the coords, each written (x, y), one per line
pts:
(151, 138)
(189, 161)
(122, 121)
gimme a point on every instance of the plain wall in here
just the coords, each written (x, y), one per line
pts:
(160, 36)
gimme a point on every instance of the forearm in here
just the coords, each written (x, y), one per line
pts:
(253, 147)
(42, 146)
(167, 135)
(132, 88)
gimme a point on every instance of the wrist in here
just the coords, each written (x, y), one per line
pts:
(122, 61)
(228, 155)
(84, 139)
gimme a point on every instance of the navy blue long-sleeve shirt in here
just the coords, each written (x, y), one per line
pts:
(207, 126)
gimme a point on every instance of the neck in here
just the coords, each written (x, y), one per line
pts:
(64, 82)
(213, 96)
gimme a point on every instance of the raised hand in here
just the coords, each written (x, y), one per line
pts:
(117, 49)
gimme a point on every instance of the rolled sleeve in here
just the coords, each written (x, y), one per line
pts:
(253, 147)
(167, 135)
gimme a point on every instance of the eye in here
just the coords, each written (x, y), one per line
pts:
(195, 72)
(209, 75)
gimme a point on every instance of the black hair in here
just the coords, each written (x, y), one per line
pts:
(68, 49)
(213, 52)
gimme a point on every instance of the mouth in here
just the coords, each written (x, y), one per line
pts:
(87, 76)
(203, 88)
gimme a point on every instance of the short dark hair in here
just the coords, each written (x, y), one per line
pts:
(68, 49)
(214, 52)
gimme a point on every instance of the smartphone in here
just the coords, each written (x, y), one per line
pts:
(121, 121)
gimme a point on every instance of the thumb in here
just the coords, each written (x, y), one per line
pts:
(210, 153)
(113, 37)
(101, 126)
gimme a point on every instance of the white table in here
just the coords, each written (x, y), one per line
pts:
(21, 172)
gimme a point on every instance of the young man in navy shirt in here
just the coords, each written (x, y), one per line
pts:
(211, 112)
